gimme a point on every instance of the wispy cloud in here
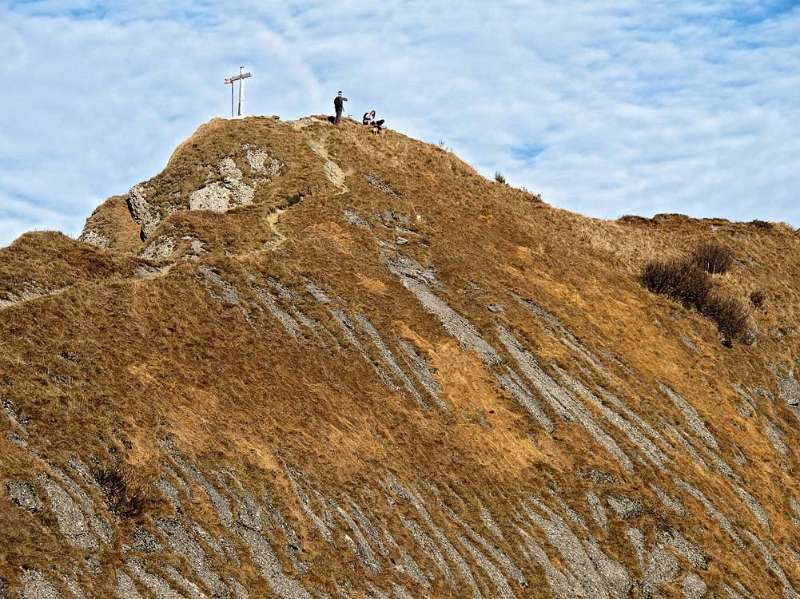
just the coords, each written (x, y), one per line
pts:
(605, 107)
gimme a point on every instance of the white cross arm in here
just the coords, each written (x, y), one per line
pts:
(240, 76)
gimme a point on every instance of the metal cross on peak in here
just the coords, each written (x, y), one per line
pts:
(230, 81)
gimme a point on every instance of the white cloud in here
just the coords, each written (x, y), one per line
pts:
(623, 107)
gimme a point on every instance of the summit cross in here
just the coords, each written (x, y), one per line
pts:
(230, 81)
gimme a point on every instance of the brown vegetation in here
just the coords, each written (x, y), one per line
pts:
(686, 280)
(713, 257)
(728, 312)
(761, 224)
(757, 298)
(680, 279)
(123, 492)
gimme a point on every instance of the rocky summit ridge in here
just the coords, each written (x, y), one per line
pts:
(312, 361)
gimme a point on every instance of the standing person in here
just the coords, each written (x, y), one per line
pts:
(338, 105)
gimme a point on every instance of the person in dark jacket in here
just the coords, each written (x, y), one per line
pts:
(338, 105)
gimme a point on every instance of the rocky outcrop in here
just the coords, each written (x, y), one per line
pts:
(142, 211)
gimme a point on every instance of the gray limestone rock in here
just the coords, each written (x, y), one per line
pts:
(636, 539)
(36, 586)
(389, 359)
(361, 545)
(429, 547)
(74, 588)
(268, 300)
(490, 523)
(94, 237)
(375, 181)
(511, 382)
(671, 503)
(215, 197)
(262, 163)
(721, 519)
(562, 538)
(269, 567)
(144, 541)
(144, 213)
(625, 507)
(618, 580)
(160, 248)
(70, 518)
(221, 196)
(170, 492)
(560, 399)
(187, 586)
(775, 437)
(414, 571)
(690, 345)
(597, 510)
(23, 495)
(156, 585)
(789, 390)
(563, 585)
(753, 505)
(662, 568)
(352, 218)
(498, 556)
(694, 587)
(239, 592)
(499, 581)
(683, 546)
(180, 541)
(650, 450)
(789, 591)
(417, 281)
(124, 587)
(228, 291)
(690, 414)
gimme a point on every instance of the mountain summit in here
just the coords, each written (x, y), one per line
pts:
(307, 360)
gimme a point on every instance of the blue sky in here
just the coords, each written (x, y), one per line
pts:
(606, 108)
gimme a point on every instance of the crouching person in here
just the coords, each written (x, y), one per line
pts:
(370, 121)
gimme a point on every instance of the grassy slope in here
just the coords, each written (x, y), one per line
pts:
(158, 357)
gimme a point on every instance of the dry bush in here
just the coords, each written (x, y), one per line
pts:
(632, 219)
(761, 224)
(713, 257)
(728, 312)
(680, 279)
(757, 298)
(684, 281)
(123, 495)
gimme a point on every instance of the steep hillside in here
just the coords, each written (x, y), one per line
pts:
(312, 361)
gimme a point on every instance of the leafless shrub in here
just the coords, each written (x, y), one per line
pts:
(680, 279)
(728, 312)
(632, 219)
(713, 257)
(123, 495)
(757, 298)
(761, 224)
(686, 282)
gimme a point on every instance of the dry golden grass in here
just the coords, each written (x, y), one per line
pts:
(114, 219)
(158, 357)
(48, 261)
